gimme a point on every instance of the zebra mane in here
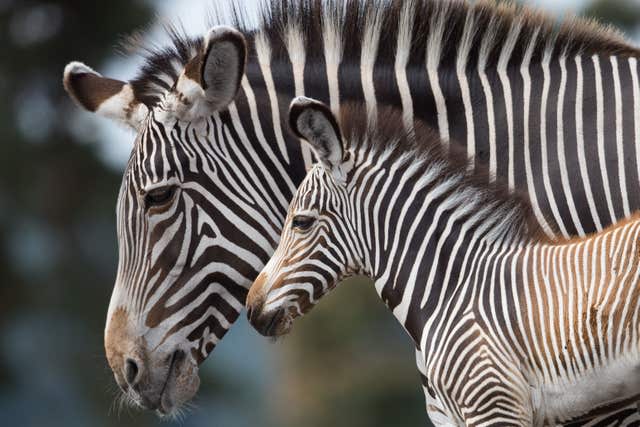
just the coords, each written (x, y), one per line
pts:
(389, 139)
(450, 30)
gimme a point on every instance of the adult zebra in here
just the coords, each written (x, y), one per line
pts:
(205, 192)
(510, 328)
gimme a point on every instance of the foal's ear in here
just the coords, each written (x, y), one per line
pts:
(314, 122)
(210, 80)
(101, 95)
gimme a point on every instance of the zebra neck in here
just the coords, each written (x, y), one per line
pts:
(432, 229)
(258, 120)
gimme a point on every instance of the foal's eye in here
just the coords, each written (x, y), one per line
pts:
(159, 196)
(302, 222)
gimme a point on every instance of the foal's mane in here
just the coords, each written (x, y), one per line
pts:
(443, 27)
(388, 138)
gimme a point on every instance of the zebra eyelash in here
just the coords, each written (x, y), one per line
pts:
(303, 221)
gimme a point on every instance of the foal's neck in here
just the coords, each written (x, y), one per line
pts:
(426, 221)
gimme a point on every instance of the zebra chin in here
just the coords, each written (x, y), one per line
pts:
(161, 378)
(268, 320)
(270, 323)
(165, 387)
(272, 307)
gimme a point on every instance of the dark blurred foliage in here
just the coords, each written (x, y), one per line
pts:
(351, 363)
(57, 227)
(58, 247)
(348, 363)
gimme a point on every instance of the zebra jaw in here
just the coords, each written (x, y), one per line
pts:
(161, 378)
(267, 321)
(270, 323)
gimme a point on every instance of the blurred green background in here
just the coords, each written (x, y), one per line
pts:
(346, 364)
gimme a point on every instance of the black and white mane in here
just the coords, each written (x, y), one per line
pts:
(423, 148)
(445, 27)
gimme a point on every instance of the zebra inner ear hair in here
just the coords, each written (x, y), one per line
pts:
(222, 65)
(313, 121)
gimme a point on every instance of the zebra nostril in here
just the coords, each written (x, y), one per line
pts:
(131, 371)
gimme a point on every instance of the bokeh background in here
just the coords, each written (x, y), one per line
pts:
(346, 364)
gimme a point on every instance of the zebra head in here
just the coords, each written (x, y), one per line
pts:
(171, 303)
(318, 246)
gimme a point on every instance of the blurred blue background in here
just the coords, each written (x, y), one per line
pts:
(346, 364)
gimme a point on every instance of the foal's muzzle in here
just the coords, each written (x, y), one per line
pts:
(270, 324)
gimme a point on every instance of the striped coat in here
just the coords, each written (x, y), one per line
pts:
(552, 109)
(510, 328)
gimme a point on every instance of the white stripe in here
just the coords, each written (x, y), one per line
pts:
(633, 64)
(461, 72)
(582, 161)
(433, 53)
(526, 78)
(535, 290)
(485, 51)
(403, 49)
(562, 162)
(152, 163)
(619, 136)
(543, 140)
(600, 127)
(264, 60)
(503, 63)
(332, 40)
(294, 41)
(368, 57)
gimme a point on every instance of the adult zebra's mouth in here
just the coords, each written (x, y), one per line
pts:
(180, 384)
(177, 385)
(166, 404)
(161, 378)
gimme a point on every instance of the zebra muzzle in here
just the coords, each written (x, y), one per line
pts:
(267, 323)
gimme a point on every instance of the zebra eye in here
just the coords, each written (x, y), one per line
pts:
(302, 222)
(159, 196)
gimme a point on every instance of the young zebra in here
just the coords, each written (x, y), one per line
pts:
(510, 328)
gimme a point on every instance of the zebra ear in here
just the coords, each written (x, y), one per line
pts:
(106, 97)
(314, 122)
(210, 81)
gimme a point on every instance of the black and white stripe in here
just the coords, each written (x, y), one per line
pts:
(510, 328)
(505, 82)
